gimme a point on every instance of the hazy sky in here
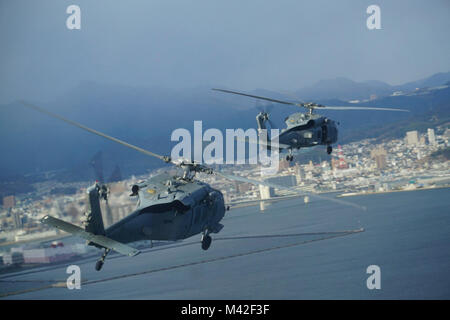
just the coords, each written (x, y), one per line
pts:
(242, 44)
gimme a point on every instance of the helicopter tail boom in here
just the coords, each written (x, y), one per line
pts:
(98, 240)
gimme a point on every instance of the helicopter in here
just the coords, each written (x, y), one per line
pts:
(303, 129)
(169, 207)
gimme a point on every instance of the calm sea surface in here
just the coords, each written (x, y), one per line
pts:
(289, 251)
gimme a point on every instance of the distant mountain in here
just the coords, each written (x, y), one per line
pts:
(346, 89)
(429, 108)
(432, 81)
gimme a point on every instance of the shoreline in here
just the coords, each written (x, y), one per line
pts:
(353, 194)
(250, 203)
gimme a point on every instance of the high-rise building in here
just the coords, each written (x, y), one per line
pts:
(299, 173)
(431, 136)
(340, 162)
(266, 192)
(422, 140)
(309, 166)
(412, 137)
(9, 202)
(379, 155)
(17, 220)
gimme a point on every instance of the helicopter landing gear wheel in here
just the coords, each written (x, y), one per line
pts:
(329, 149)
(101, 261)
(206, 242)
(99, 265)
(289, 157)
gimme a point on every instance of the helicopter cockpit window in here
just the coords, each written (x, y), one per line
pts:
(176, 206)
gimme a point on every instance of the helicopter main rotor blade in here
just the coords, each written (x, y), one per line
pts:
(76, 124)
(276, 186)
(257, 97)
(310, 105)
(359, 108)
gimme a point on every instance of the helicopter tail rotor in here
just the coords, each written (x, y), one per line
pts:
(264, 115)
(97, 164)
(262, 118)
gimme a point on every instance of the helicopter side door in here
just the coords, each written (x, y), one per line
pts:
(329, 132)
(324, 134)
(207, 214)
(199, 212)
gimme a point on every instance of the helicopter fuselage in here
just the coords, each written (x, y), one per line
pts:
(303, 129)
(308, 130)
(170, 209)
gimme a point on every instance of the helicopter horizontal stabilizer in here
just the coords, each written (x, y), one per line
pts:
(100, 240)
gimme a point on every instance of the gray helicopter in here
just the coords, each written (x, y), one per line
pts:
(303, 129)
(169, 207)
